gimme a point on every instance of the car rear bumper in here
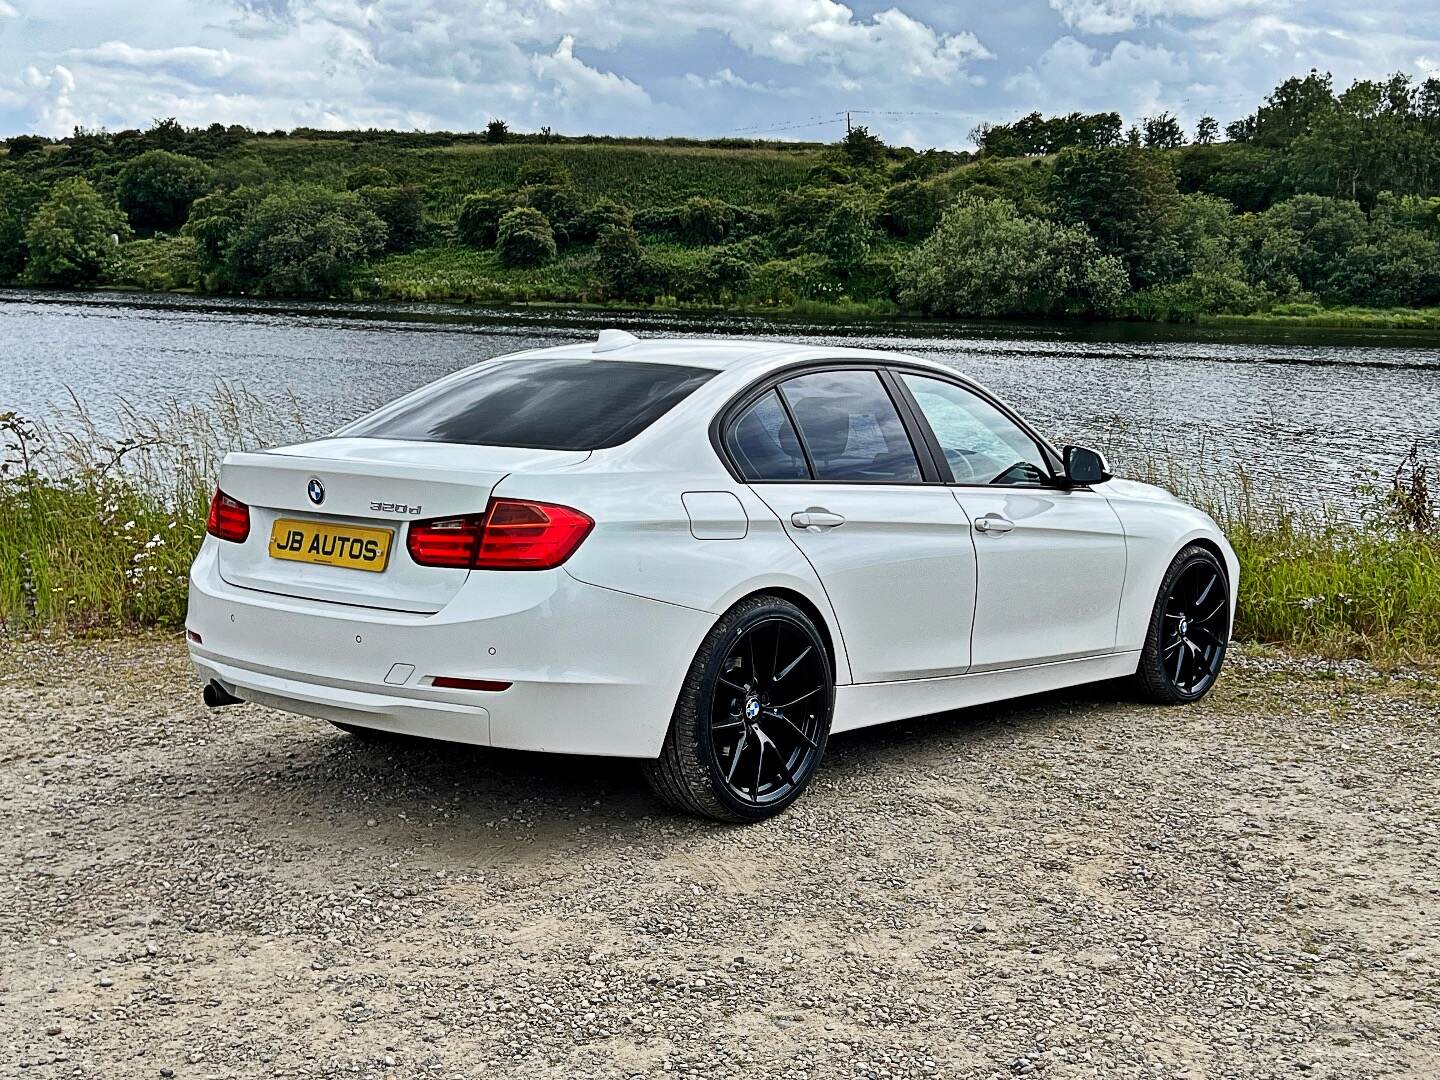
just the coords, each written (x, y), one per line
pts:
(592, 670)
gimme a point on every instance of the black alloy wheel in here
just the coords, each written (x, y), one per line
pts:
(1189, 629)
(770, 693)
(753, 717)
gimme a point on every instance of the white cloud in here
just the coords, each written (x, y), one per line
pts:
(575, 82)
(1133, 79)
(1118, 16)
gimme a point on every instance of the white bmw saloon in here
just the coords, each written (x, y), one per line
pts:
(708, 555)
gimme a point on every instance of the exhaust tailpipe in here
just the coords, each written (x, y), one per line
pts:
(216, 695)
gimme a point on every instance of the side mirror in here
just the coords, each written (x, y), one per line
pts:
(1084, 466)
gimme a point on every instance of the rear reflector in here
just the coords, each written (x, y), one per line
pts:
(229, 519)
(447, 682)
(512, 534)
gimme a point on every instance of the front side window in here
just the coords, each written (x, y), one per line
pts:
(851, 428)
(982, 445)
(764, 445)
(547, 403)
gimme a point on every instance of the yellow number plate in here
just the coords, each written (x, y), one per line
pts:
(331, 545)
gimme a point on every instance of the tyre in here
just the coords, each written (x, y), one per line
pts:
(1189, 630)
(753, 717)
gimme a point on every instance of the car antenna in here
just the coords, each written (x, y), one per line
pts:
(610, 340)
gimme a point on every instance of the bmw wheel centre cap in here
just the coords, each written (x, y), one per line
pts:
(316, 491)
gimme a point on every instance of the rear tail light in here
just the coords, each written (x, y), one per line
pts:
(511, 535)
(229, 519)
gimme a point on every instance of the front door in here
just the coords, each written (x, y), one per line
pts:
(893, 552)
(1050, 561)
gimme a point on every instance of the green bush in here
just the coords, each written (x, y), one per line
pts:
(912, 209)
(988, 259)
(367, 176)
(156, 189)
(480, 215)
(18, 201)
(1202, 293)
(785, 281)
(158, 264)
(402, 209)
(524, 238)
(703, 220)
(73, 236)
(301, 240)
(560, 203)
(214, 222)
(598, 217)
(626, 270)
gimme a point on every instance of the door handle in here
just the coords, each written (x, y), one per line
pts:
(816, 519)
(993, 525)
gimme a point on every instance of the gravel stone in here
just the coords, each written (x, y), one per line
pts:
(1072, 886)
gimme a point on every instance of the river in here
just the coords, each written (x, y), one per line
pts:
(1308, 413)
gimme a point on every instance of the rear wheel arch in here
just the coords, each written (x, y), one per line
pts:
(810, 608)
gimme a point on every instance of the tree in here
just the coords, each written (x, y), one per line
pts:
(861, 149)
(1312, 243)
(299, 240)
(1163, 132)
(72, 236)
(480, 215)
(23, 145)
(402, 210)
(1291, 110)
(524, 238)
(157, 188)
(1125, 197)
(18, 201)
(988, 259)
(496, 131)
(214, 222)
(1207, 130)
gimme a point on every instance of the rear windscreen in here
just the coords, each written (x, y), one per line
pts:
(544, 404)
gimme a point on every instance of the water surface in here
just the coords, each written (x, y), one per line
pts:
(1308, 411)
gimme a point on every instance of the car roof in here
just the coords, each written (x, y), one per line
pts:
(717, 354)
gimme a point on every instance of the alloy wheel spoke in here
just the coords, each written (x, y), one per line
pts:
(796, 701)
(781, 676)
(799, 732)
(735, 759)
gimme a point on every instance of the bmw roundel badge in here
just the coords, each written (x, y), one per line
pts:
(316, 491)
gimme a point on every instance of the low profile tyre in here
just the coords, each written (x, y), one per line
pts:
(1189, 630)
(753, 717)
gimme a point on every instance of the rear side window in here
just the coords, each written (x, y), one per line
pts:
(547, 403)
(764, 445)
(851, 428)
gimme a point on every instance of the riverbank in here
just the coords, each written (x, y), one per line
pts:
(451, 275)
(1069, 886)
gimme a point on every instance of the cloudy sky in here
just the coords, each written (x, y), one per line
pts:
(922, 72)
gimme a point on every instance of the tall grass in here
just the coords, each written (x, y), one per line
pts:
(98, 525)
(97, 530)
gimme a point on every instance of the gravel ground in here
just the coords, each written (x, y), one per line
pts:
(1065, 886)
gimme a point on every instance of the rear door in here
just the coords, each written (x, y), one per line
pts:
(1050, 561)
(828, 453)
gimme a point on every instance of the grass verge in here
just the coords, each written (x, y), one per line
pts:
(98, 533)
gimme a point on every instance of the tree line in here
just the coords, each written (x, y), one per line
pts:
(1318, 196)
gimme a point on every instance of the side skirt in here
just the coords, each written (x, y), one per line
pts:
(864, 704)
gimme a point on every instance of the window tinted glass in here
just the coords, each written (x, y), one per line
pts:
(763, 443)
(982, 444)
(547, 404)
(851, 427)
